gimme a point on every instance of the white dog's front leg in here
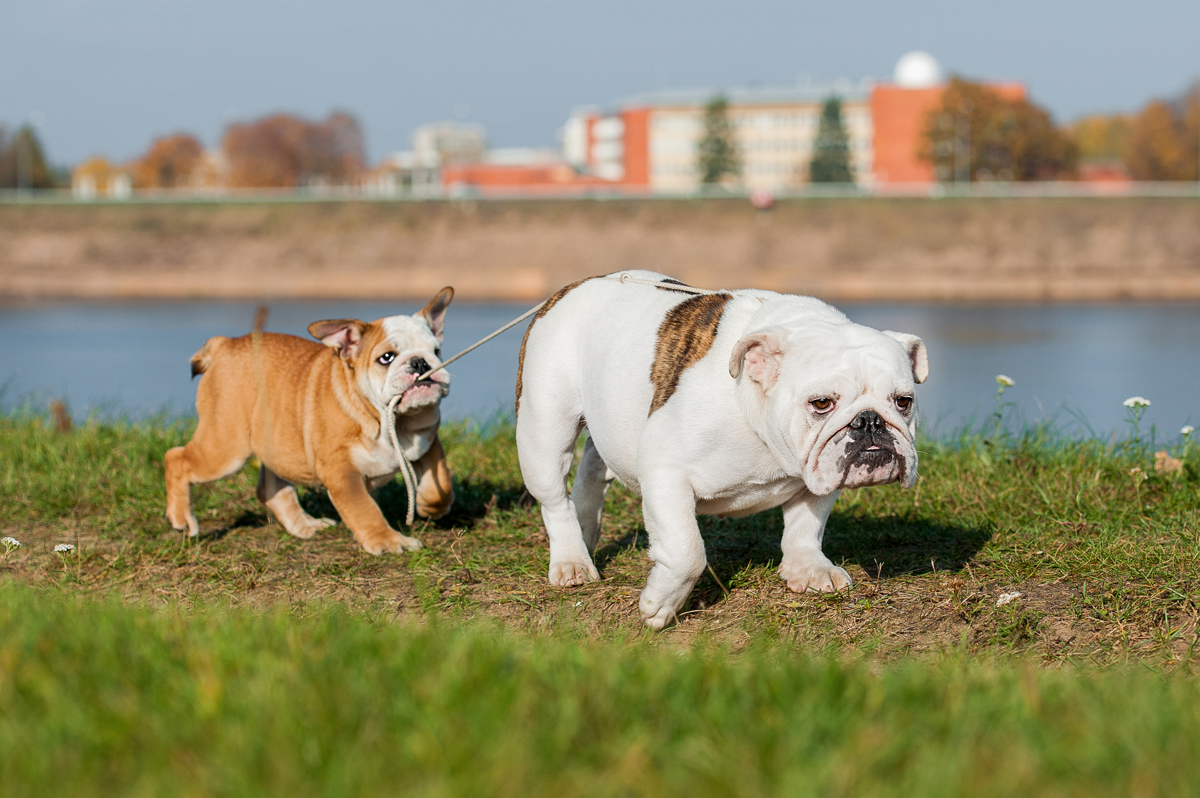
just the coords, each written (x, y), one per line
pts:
(676, 547)
(805, 567)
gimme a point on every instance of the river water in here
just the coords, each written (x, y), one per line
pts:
(1069, 362)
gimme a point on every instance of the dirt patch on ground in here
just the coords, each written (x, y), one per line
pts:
(889, 250)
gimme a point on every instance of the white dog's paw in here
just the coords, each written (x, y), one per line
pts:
(814, 575)
(567, 573)
(659, 620)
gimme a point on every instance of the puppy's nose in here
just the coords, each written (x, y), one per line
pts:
(418, 365)
(868, 422)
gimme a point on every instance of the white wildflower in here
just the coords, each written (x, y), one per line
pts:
(1188, 430)
(10, 543)
(1136, 473)
(1008, 598)
(1136, 401)
(64, 548)
(1007, 382)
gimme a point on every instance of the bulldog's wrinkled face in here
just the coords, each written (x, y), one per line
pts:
(835, 402)
(388, 355)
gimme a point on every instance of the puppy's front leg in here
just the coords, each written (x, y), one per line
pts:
(805, 567)
(676, 547)
(349, 494)
(435, 487)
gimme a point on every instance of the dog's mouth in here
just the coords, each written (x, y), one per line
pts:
(423, 391)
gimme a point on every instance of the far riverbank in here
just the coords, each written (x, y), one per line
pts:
(843, 250)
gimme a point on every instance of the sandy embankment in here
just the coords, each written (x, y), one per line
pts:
(912, 250)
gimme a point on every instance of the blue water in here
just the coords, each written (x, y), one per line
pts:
(133, 357)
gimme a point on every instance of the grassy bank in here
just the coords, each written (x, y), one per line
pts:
(841, 250)
(251, 661)
(102, 698)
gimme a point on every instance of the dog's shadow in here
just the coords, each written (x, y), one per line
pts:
(473, 500)
(884, 546)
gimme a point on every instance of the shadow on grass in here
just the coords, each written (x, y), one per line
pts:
(885, 546)
(473, 500)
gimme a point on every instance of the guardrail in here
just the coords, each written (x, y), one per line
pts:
(990, 190)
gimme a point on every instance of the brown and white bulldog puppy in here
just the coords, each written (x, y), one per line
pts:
(317, 414)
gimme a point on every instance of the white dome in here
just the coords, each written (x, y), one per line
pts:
(917, 70)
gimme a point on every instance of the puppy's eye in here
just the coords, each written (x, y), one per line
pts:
(821, 405)
(903, 403)
(385, 358)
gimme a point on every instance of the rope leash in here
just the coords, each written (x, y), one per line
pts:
(410, 476)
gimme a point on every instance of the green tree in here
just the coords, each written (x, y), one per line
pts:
(718, 156)
(22, 162)
(831, 149)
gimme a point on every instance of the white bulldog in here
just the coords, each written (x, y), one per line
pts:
(723, 403)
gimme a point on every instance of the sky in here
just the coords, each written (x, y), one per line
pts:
(107, 77)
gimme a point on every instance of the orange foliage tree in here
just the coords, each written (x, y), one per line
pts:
(1164, 140)
(1009, 138)
(170, 162)
(285, 151)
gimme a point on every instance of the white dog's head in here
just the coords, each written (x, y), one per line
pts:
(833, 400)
(388, 355)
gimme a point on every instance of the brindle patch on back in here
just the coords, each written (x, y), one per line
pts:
(684, 337)
(551, 302)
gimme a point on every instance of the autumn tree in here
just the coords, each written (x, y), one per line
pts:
(1102, 137)
(170, 162)
(831, 148)
(1164, 140)
(285, 151)
(22, 162)
(980, 133)
(718, 154)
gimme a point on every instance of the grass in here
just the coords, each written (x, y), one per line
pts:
(250, 661)
(103, 698)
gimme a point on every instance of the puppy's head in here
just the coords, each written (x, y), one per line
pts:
(834, 401)
(388, 355)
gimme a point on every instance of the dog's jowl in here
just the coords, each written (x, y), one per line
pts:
(711, 402)
(317, 414)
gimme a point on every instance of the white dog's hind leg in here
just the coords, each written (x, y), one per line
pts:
(805, 567)
(592, 481)
(676, 547)
(546, 449)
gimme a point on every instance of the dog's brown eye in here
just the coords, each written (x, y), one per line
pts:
(385, 358)
(903, 403)
(822, 405)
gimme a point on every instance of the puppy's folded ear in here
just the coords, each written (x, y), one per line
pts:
(759, 354)
(917, 355)
(343, 335)
(435, 311)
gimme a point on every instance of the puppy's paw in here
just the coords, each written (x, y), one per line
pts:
(306, 528)
(814, 575)
(572, 572)
(186, 524)
(395, 543)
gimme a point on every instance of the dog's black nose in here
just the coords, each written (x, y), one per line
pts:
(868, 422)
(418, 365)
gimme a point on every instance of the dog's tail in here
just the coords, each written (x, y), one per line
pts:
(202, 360)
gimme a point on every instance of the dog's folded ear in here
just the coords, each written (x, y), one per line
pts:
(917, 355)
(759, 354)
(343, 335)
(435, 311)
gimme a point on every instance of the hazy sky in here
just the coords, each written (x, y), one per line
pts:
(106, 77)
